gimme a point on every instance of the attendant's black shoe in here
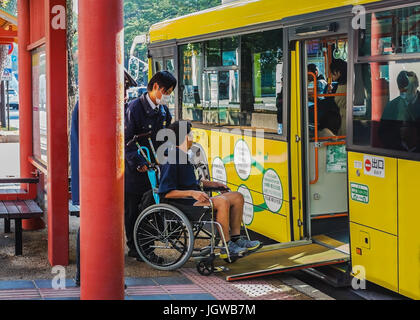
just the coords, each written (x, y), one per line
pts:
(156, 259)
(77, 282)
(133, 254)
(152, 257)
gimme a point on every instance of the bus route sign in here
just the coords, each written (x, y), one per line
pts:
(359, 192)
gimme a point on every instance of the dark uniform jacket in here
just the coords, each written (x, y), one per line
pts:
(141, 118)
(74, 155)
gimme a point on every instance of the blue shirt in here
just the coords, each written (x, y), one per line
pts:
(177, 176)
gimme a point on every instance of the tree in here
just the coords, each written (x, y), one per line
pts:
(140, 15)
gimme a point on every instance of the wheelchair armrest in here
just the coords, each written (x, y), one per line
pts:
(174, 201)
(214, 189)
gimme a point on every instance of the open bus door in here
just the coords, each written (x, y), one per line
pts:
(307, 251)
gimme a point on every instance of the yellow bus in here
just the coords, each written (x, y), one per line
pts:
(311, 110)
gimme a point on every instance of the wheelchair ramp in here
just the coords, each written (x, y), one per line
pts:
(269, 261)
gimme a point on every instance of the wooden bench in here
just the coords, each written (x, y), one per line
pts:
(14, 205)
(17, 211)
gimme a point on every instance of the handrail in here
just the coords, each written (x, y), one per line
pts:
(333, 94)
(313, 75)
(328, 216)
(19, 180)
(332, 138)
(37, 164)
(337, 143)
(316, 138)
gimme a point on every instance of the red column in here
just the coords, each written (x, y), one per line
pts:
(101, 149)
(57, 177)
(25, 102)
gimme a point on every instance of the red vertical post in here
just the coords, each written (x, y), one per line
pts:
(101, 126)
(25, 102)
(57, 177)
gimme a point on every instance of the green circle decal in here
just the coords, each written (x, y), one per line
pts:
(272, 190)
(242, 159)
(248, 214)
(218, 170)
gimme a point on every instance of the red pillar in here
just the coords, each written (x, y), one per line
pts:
(57, 177)
(25, 102)
(101, 149)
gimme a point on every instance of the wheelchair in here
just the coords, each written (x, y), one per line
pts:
(166, 231)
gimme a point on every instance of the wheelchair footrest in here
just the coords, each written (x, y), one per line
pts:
(201, 253)
(221, 269)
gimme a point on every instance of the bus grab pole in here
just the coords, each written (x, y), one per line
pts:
(316, 126)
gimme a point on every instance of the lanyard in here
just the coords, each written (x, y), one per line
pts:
(163, 113)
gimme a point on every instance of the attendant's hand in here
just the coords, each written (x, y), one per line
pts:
(200, 196)
(142, 169)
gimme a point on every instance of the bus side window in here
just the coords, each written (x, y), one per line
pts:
(391, 92)
(262, 80)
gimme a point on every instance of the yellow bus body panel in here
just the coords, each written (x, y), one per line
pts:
(380, 211)
(265, 184)
(239, 14)
(375, 253)
(408, 227)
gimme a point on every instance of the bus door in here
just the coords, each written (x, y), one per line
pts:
(305, 251)
(324, 156)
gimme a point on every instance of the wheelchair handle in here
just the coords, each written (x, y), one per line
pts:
(138, 137)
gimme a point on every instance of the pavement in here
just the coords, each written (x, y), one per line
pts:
(187, 284)
(13, 135)
(9, 159)
(30, 276)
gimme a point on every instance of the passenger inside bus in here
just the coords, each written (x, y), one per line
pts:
(399, 125)
(322, 85)
(329, 123)
(338, 70)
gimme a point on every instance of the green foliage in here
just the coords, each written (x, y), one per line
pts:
(10, 6)
(140, 15)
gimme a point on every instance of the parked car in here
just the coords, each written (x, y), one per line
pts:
(136, 92)
(13, 99)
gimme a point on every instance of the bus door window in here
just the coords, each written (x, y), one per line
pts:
(327, 67)
(326, 75)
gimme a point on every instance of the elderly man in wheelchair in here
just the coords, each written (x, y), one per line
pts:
(165, 232)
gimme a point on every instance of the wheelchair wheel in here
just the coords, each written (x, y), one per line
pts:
(163, 237)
